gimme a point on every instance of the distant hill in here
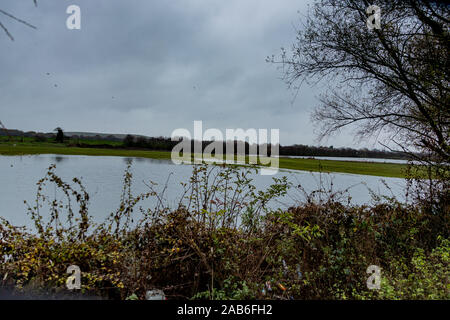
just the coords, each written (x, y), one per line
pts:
(88, 135)
(19, 133)
(95, 134)
(116, 136)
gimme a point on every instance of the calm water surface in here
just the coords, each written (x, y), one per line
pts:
(400, 161)
(103, 176)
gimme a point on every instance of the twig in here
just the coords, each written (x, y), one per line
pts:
(6, 31)
(17, 19)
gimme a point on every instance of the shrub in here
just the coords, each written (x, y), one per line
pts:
(223, 241)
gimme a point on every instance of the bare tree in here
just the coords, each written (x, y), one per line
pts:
(393, 80)
(5, 29)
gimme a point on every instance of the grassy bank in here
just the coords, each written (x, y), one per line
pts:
(355, 167)
(64, 150)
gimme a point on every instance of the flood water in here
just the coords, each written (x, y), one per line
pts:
(103, 179)
(400, 161)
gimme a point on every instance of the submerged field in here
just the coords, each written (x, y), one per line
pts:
(354, 167)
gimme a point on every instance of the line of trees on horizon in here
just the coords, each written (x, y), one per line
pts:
(166, 144)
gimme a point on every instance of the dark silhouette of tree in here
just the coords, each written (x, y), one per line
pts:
(142, 142)
(128, 141)
(393, 80)
(59, 135)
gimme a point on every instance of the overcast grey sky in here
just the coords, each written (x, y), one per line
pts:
(151, 66)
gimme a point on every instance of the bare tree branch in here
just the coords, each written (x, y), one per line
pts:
(394, 79)
(16, 19)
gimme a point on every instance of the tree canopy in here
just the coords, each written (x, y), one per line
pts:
(392, 80)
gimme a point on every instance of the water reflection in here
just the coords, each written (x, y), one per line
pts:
(130, 160)
(59, 159)
(103, 179)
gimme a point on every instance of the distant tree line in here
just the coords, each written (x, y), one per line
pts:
(304, 150)
(166, 144)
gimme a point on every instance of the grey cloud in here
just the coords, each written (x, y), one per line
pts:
(149, 67)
